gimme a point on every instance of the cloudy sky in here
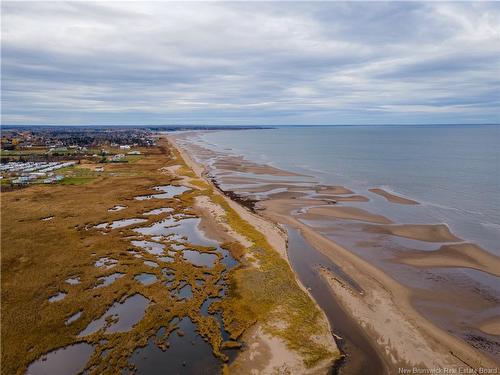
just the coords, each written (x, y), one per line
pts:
(250, 62)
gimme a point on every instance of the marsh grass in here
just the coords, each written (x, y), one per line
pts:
(38, 256)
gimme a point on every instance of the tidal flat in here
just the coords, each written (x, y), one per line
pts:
(96, 328)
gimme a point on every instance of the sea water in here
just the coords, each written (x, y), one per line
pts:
(453, 171)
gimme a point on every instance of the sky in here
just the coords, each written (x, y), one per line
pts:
(249, 63)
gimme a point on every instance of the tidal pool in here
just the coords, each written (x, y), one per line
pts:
(57, 297)
(125, 223)
(184, 228)
(73, 280)
(187, 354)
(200, 259)
(108, 280)
(73, 317)
(146, 278)
(168, 191)
(158, 211)
(151, 247)
(185, 292)
(122, 316)
(116, 208)
(64, 361)
(151, 264)
(106, 262)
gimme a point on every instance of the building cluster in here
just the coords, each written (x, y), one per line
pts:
(24, 173)
(34, 154)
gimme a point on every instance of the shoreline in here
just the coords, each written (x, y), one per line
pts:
(277, 238)
(424, 333)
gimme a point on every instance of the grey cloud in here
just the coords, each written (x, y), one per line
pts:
(244, 63)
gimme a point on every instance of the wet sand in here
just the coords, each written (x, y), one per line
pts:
(339, 198)
(491, 326)
(264, 353)
(385, 312)
(392, 197)
(421, 232)
(465, 255)
(239, 164)
(349, 213)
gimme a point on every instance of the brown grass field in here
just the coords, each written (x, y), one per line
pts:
(38, 256)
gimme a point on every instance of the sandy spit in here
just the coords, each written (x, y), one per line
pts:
(265, 354)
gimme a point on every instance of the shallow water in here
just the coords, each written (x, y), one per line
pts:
(65, 361)
(168, 191)
(117, 208)
(451, 170)
(106, 262)
(57, 297)
(73, 280)
(158, 211)
(146, 278)
(108, 280)
(128, 312)
(125, 223)
(73, 318)
(200, 259)
(185, 292)
(363, 358)
(187, 354)
(185, 229)
(154, 248)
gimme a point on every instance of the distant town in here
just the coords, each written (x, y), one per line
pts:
(50, 155)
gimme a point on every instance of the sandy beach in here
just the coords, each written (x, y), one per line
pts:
(385, 310)
(265, 352)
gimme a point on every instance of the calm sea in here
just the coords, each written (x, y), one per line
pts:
(452, 170)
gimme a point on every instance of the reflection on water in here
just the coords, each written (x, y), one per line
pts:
(116, 208)
(305, 259)
(185, 229)
(200, 259)
(151, 247)
(73, 280)
(57, 297)
(106, 262)
(125, 223)
(186, 354)
(73, 317)
(146, 278)
(108, 280)
(168, 191)
(158, 211)
(120, 317)
(185, 292)
(64, 361)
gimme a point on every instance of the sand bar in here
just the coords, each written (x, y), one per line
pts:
(348, 213)
(392, 197)
(466, 255)
(421, 232)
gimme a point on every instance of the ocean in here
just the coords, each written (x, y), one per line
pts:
(453, 171)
